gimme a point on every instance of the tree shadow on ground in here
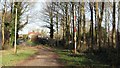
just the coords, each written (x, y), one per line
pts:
(109, 56)
(105, 56)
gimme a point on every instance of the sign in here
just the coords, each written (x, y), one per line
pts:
(75, 30)
(75, 18)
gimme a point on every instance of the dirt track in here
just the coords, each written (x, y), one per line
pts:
(44, 57)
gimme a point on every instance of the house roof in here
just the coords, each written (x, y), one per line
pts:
(35, 33)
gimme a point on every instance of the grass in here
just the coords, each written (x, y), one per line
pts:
(10, 59)
(29, 42)
(68, 59)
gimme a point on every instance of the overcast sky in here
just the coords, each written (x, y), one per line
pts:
(34, 14)
(34, 19)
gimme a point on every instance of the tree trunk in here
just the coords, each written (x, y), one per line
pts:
(3, 26)
(105, 34)
(63, 27)
(99, 20)
(91, 27)
(96, 10)
(113, 25)
(79, 27)
(84, 23)
(51, 23)
(73, 22)
(118, 34)
(118, 28)
(108, 31)
(67, 27)
(57, 28)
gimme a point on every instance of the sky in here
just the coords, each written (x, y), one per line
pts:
(34, 20)
(34, 17)
(35, 23)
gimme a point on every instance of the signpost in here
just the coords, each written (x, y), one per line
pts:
(15, 48)
(75, 31)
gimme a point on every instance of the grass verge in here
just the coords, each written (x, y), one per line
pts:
(69, 59)
(10, 59)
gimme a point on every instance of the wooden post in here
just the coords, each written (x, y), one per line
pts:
(15, 48)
